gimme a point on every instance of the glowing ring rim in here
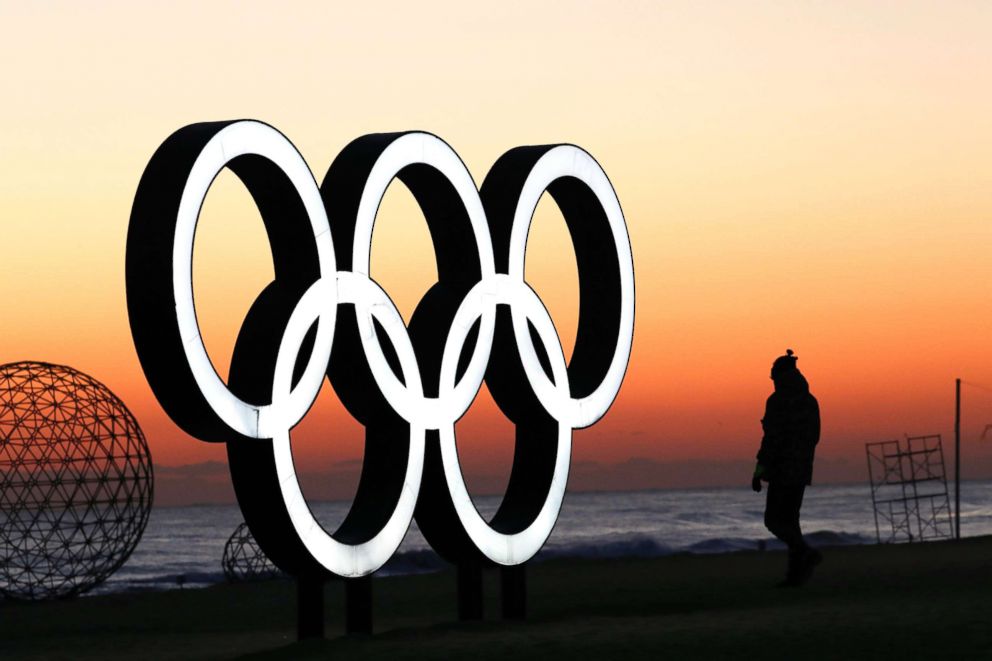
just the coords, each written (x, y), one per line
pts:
(511, 548)
(559, 162)
(341, 558)
(422, 148)
(242, 138)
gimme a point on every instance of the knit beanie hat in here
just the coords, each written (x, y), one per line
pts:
(784, 364)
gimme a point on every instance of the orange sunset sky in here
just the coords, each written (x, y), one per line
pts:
(812, 175)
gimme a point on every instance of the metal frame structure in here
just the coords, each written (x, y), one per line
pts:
(909, 489)
(76, 481)
(244, 561)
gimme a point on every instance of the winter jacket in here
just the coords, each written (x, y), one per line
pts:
(791, 431)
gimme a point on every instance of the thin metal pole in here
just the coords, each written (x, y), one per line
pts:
(871, 477)
(957, 458)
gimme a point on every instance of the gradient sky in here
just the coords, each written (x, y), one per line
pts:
(814, 175)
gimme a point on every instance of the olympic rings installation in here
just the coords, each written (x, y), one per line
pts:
(324, 316)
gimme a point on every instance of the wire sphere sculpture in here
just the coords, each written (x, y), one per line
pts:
(76, 481)
(244, 561)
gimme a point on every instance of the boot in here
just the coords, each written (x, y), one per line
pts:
(794, 570)
(811, 558)
(801, 566)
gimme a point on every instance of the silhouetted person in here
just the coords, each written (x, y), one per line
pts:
(791, 431)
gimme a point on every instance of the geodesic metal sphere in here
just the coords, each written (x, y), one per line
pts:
(75, 481)
(244, 561)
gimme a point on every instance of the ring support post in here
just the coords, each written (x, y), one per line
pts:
(513, 589)
(358, 605)
(469, 592)
(309, 607)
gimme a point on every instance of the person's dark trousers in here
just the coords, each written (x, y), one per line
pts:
(782, 515)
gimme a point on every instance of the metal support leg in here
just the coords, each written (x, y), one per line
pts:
(309, 607)
(358, 605)
(513, 584)
(469, 592)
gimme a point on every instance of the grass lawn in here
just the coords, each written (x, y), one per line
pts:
(908, 601)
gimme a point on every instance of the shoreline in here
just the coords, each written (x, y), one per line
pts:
(426, 561)
(919, 600)
(572, 491)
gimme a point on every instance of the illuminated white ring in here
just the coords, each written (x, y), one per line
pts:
(479, 302)
(425, 149)
(317, 306)
(343, 559)
(501, 548)
(239, 139)
(556, 163)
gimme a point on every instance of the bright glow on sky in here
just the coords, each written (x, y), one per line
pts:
(813, 176)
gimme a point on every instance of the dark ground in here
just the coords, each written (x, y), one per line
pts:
(893, 602)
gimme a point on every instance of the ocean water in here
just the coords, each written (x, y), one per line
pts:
(185, 544)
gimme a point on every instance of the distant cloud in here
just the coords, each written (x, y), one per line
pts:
(193, 484)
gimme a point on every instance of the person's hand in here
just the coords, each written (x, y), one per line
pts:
(759, 472)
